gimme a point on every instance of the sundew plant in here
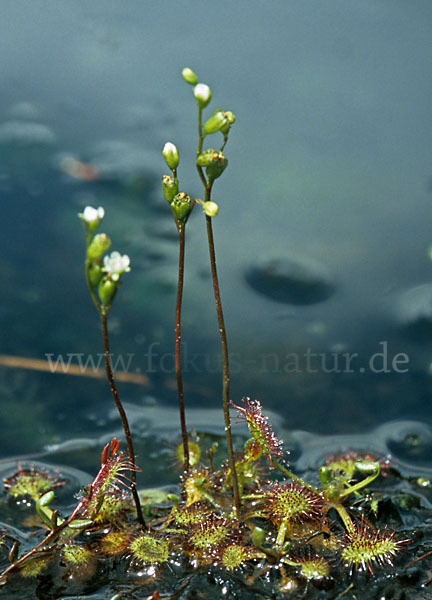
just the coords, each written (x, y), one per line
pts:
(245, 527)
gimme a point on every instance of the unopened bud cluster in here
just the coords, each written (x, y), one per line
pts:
(212, 160)
(181, 203)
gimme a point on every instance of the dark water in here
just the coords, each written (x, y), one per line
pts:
(322, 236)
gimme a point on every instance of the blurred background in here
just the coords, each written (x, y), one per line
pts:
(322, 235)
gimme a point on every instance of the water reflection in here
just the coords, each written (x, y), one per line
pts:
(329, 160)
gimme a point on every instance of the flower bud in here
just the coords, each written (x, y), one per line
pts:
(216, 167)
(95, 274)
(202, 94)
(181, 207)
(210, 208)
(91, 217)
(189, 76)
(171, 155)
(207, 158)
(107, 290)
(217, 121)
(99, 244)
(230, 117)
(169, 187)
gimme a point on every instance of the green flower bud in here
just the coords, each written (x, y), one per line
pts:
(107, 290)
(216, 122)
(217, 167)
(210, 209)
(214, 161)
(169, 187)
(95, 274)
(189, 76)
(207, 158)
(230, 116)
(99, 244)
(171, 155)
(202, 94)
(181, 207)
(230, 120)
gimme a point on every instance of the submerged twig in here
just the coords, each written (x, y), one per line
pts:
(59, 367)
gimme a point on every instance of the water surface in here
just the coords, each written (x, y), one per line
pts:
(329, 164)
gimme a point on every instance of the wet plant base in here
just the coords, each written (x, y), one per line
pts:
(359, 528)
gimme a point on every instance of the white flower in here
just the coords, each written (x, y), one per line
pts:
(202, 94)
(116, 264)
(91, 214)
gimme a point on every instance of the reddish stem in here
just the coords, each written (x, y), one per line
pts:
(182, 241)
(225, 359)
(122, 413)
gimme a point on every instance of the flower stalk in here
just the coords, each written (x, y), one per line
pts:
(179, 378)
(181, 207)
(107, 283)
(225, 358)
(110, 376)
(202, 95)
